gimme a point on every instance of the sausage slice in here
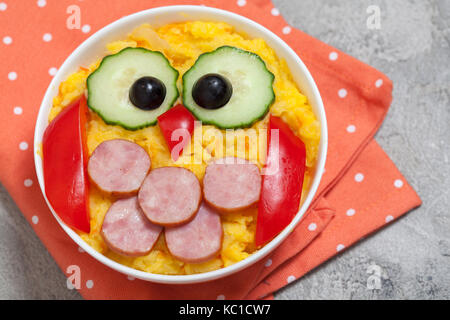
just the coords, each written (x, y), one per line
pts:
(170, 196)
(126, 230)
(199, 240)
(231, 184)
(119, 167)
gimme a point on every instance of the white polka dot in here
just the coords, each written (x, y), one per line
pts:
(80, 249)
(241, 3)
(89, 284)
(47, 37)
(342, 93)
(3, 6)
(333, 56)
(220, 297)
(350, 212)
(389, 218)
(131, 278)
(52, 71)
(398, 183)
(268, 263)
(41, 3)
(35, 219)
(287, 30)
(18, 110)
(275, 12)
(12, 76)
(7, 40)
(312, 227)
(28, 183)
(340, 247)
(379, 83)
(86, 28)
(290, 279)
(359, 177)
(23, 146)
(351, 128)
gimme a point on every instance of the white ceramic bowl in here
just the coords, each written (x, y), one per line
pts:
(94, 48)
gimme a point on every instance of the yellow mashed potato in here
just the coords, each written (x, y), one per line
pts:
(182, 43)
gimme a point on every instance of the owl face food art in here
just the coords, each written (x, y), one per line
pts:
(184, 150)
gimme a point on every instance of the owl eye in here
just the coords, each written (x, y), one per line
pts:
(132, 88)
(147, 93)
(212, 91)
(228, 88)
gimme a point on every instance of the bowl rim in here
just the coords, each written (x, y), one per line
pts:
(259, 254)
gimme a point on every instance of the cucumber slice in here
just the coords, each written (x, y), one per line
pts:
(252, 87)
(108, 87)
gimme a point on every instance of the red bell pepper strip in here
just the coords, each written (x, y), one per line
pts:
(282, 182)
(177, 126)
(65, 159)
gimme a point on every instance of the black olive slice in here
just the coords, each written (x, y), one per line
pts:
(212, 91)
(147, 93)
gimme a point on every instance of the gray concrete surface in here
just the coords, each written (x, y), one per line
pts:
(413, 254)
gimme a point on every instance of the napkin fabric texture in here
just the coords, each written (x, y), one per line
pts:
(361, 190)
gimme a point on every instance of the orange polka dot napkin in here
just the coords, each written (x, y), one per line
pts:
(361, 190)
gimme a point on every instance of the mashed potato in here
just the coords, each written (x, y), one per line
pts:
(182, 43)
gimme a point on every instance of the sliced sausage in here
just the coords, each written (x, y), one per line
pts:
(126, 230)
(119, 167)
(199, 240)
(170, 196)
(231, 184)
